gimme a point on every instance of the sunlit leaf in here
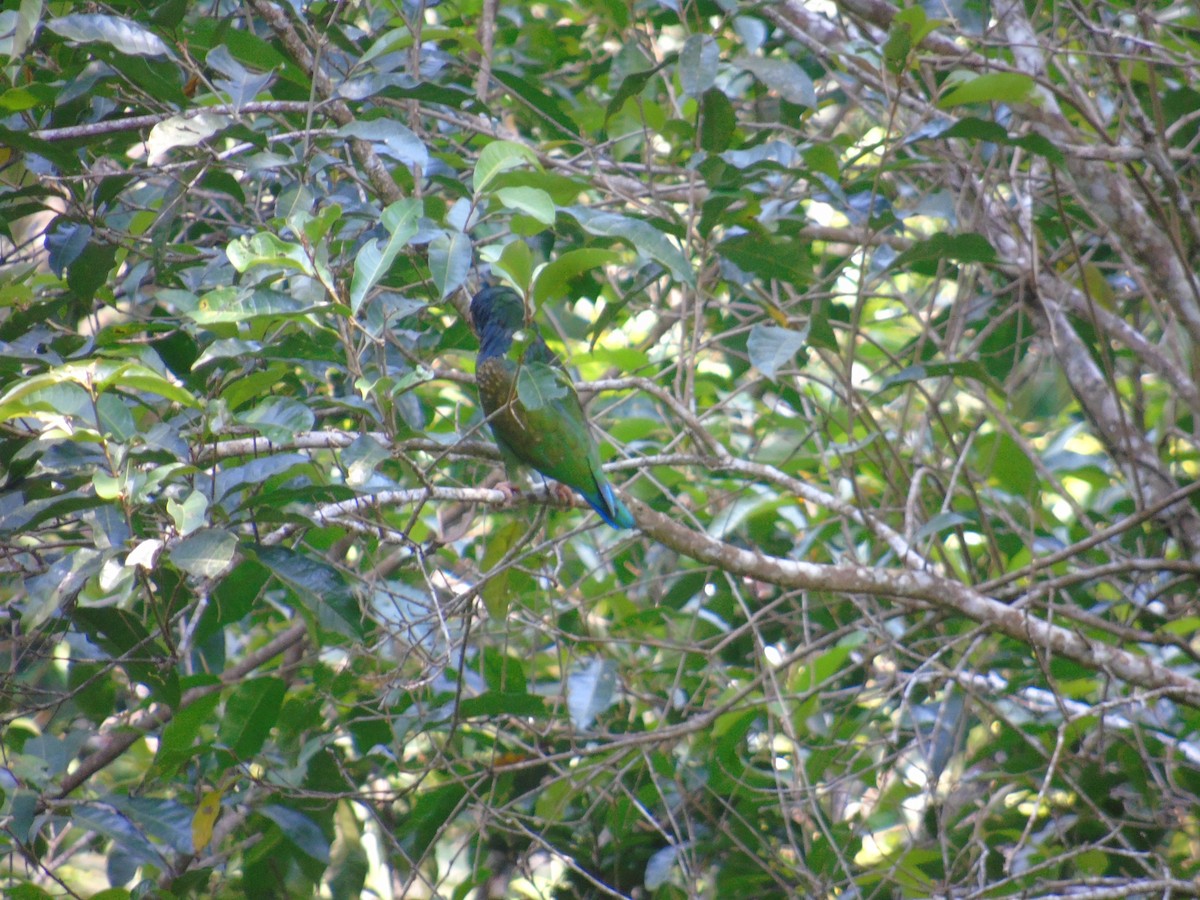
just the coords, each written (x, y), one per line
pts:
(993, 87)
(124, 35)
(205, 554)
(554, 277)
(591, 689)
(184, 131)
(771, 347)
(500, 156)
(531, 201)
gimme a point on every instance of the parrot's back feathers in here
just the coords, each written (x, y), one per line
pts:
(551, 435)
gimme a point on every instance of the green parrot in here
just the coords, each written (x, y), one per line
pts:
(532, 406)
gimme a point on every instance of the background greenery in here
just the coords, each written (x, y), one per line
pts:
(888, 313)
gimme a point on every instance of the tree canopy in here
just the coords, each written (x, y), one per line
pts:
(885, 314)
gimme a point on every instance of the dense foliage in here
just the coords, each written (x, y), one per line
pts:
(886, 315)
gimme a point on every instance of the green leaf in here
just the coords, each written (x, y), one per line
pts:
(206, 553)
(317, 227)
(551, 112)
(318, 586)
(497, 590)
(66, 244)
(362, 458)
(124, 637)
(390, 138)
(248, 48)
(993, 87)
(967, 247)
(908, 28)
(29, 14)
(226, 305)
(563, 190)
(768, 258)
(717, 121)
(116, 421)
(963, 369)
(302, 831)
(177, 743)
(782, 76)
(189, 515)
(430, 815)
(642, 236)
(279, 419)
(517, 262)
(20, 139)
(134, 376)
(265, 249)
(184, 131)
(540, 385)
(372, 263)
(251, 711)
(531, 201)
(972, 128)
(46, 394)
(504, 673)
(60, 584)
(698, 64)
(90, 271)
(943, 521)
(771, 347)
(553, 279)
(118, 829)
(729, 734)
(591, 689)
(449, 261)
(169, 821)
(631, 85)
(402, 38)
(1007, 463)
(898, 45)
(20, 99)
(500, 156)
(820, 332)
(123, 34)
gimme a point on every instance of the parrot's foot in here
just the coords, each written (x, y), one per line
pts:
(560, 493)
(510, 491)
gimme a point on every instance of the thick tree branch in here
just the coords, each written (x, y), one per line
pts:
(927, 589)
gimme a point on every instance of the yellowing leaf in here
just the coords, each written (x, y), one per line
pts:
(204, 819)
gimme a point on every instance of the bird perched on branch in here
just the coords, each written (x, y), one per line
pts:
(532, 406)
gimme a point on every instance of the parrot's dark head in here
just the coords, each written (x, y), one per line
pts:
(497, 312)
